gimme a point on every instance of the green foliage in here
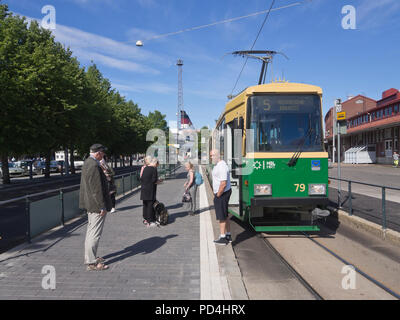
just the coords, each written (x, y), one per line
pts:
(49, 102)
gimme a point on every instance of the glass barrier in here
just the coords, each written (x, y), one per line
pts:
(40, 212)
(71, 205)
(45, 214)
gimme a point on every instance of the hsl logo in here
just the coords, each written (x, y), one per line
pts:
(316, 165)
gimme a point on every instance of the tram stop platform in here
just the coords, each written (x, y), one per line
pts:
(178, 261)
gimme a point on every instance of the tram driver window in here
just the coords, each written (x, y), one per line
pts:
(286, 123)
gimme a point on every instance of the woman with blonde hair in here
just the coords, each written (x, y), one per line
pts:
(191, 187)
(149, 179)
(147, 161)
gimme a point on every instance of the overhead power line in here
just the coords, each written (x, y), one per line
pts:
(258, 34)
(217, 22)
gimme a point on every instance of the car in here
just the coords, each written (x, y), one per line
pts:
(40, 166)
(60, 165)
(13, 170)
(78, 163)
(24, 164)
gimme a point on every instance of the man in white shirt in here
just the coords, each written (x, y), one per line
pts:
(222, 192)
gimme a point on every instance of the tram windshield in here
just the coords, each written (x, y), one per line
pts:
(283, 123)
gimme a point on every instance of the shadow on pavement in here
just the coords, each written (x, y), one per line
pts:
(175, 206)
(43, 245)
(127, 208)
(174, 216)
(181, 175)
(144, 246)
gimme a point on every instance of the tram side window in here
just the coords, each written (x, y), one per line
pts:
(221, 143)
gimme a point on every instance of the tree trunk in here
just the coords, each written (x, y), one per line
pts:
(47, 169)
(72, 157)
(4, 169)
(130, 161)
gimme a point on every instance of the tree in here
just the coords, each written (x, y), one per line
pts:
(49, 102)
(15, 122)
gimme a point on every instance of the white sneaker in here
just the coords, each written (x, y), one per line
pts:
(113, 210)
(152, 224)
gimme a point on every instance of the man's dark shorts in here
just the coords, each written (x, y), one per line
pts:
(221, 205)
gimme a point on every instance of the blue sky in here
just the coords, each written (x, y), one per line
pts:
(342, 62)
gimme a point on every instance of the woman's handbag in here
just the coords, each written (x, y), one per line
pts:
(186, 197)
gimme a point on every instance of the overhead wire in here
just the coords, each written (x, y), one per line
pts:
(217, 22)
(258, 34)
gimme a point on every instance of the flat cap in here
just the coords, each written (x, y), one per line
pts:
(98, 147)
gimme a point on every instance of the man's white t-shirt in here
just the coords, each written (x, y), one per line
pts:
(221, 173)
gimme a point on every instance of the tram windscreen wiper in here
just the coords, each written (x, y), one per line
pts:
(292, 162)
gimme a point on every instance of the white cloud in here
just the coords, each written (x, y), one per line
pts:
(78, 39)
(108, 61)
(147, 3)
(154, 87)
(373, 14)
(106, 51)
(84, 2)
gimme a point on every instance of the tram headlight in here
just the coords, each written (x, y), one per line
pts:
(263, 189)
(316, 189)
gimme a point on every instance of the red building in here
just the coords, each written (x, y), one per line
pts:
(370, 123)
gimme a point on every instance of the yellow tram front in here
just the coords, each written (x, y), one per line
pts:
(271, 137)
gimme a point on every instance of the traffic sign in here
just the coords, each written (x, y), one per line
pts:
(341, 115)
(338, 105)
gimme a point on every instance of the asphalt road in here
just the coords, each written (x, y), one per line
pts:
(369, 173)
(23, 186)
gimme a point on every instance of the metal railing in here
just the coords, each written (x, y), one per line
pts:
(62, 205)
(349, 199)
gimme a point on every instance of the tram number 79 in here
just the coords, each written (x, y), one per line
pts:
(300, 187)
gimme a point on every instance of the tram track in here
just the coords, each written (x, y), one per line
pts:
(357, 269)
(302, 279)
(293, 271)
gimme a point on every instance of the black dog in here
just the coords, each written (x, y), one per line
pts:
(161, 213)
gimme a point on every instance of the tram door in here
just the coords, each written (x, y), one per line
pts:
(232, 151)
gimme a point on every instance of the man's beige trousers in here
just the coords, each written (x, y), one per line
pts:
(93, 233)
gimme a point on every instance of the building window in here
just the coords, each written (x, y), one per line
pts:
(390, 111)
(396, 108)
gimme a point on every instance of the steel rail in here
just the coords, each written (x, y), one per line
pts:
(373, 280)
(293, 271)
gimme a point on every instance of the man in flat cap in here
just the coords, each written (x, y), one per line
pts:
(94, 196)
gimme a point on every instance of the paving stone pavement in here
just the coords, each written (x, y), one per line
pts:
(158, 263)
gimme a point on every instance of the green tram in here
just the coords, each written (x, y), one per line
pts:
(271, 137)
